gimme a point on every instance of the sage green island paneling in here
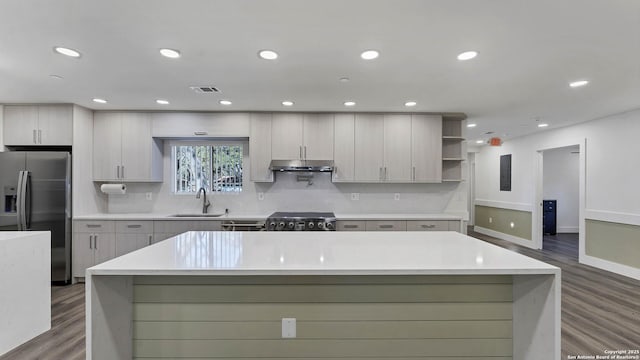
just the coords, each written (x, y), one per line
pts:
(501, 220)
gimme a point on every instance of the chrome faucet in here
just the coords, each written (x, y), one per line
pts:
(205, 202)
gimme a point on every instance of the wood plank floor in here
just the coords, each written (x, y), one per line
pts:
(600, 310)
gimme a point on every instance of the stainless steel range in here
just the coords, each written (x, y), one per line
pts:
(301, 221)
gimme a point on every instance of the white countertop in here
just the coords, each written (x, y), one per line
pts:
(322, 253)
(232, 216)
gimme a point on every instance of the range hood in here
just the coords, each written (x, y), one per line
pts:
(301, 165)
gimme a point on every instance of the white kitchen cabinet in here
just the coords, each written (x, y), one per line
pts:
(426, 148)
(368, 148)
(260, 148)
(132, 235)
(302, 136)
(343, 148)
(93, 243)
(453, 149)
(164, 229)
(386, 225)
(428, 225)
(38, 125)
(350, 225)
(397, 149)
(123, 149)
(199, 124)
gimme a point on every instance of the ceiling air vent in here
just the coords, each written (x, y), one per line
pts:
(205, 89)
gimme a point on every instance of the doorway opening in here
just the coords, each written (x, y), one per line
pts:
(559, 225)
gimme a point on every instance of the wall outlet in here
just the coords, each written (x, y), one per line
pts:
(396, 196)
(148, 196)
(490, 220)
(260, 196)
(355, 196)
(288, 328)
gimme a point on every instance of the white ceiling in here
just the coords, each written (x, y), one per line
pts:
(529, 51)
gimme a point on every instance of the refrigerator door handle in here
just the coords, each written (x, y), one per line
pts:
(20, 200)
(28, 201)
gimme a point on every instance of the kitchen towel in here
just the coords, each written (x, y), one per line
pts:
(113, 188)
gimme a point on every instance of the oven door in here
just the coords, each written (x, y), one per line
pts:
(239, 225)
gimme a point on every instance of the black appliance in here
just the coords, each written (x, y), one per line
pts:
(301, 221)
(549, 216)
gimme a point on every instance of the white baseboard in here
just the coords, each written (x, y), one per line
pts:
(507, 237)
(567, 229)
(610, 266)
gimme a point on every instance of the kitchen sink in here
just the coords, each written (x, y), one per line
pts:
(196, 215)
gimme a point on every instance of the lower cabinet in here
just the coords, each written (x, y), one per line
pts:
(93, 243)
(133, 235)
(389, 225)
(398, 225)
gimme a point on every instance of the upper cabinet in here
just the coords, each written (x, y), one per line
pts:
(260, 147)
(199, 124)
(38, 125)
(123, 149)
(400, 148)
(302, 136)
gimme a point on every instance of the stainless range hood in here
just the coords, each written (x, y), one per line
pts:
(301, 165)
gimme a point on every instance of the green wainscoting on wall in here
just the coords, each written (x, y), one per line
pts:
(501, 220)
(619, 243)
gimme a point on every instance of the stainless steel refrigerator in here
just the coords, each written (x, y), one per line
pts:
(36, 196)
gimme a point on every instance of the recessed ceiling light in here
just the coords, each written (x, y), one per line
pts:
(369, 54)
(225, 102)
(344, 79)
(479, 141)
(170, 53)
(471, 125)
(56, 76)
(349, 103)
(543, 125)
(578, 83)
(101, 101)
(162, 102)
(467, 55)
(66, 51)
(287, 103)
(268, 54)
(410, 103)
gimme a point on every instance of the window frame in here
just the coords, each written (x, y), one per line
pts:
(209, 142)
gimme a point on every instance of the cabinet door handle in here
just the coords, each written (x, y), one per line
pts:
(385, 226)
(95, 242)
(351, 226)
(90, 241)
(414, 173)
(39, 136)
(122, 172)
(150, 239)
(305, 152)
(427, 226)
(94, 225)
(380, 174)
(300, 149)
(34, 136)
(385, 173)
(118, 172)
(134, 226)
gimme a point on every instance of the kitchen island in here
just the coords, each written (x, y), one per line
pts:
(359, 295)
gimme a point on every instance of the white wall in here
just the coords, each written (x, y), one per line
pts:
(287, 194)
(561, 183)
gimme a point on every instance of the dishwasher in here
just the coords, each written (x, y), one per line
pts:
(243, 225)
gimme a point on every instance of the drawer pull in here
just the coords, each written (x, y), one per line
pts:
(94, 225)
(385, 226)
(427, 226)
(134, 226)
(351, 226)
